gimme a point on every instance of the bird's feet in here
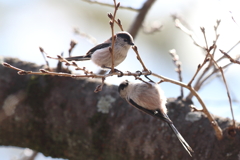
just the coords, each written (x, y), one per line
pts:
(150, 72)
(116, 70)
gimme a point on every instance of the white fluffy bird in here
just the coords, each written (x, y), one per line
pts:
(150, 99)
(101, 55)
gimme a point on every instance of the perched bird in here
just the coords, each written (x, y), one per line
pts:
(101, 55)
(149, 98)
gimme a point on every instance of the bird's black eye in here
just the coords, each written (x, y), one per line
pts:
(125, 40)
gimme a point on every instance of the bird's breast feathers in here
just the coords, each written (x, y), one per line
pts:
(102, 57)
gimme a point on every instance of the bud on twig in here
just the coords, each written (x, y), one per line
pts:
(110, 15)
(73, 43)
(24, 72)
(119, 22)
(6, 64)
(74, 63)
(41, 49)
(111, 23)
(199, 66)
(135, 48)
(43, 71)
(202, 29)
(118, 5)
(59, 57)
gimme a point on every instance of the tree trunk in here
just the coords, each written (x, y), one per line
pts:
(63, 117)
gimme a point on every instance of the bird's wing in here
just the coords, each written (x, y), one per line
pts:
(78, 58)
(155, 113)
(89, 53)
(99, 46)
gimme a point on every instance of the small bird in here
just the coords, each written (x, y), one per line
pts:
(101, 55)
(149, 98)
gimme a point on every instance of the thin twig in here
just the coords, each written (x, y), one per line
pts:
(193, 92)
(67, 63)
(234, 19)
(204, 34)
(89, 37)
(210, 75)
(111, 49)
(198, 69)
(42, 51)
(225, 83)
(99, 87)
(177, 63)
(233, 47)
(228, 94)
(119, 23)
(199, 81)
(72, 45)
(195, 109)
(155, 27)
(139, 58)
(228, 51)
(229, 57)
(217, 129)
(214, 63)
(216, 38)
(110, 5)
(210, 64)
(87, 75)
(179, 25)
(59, 64)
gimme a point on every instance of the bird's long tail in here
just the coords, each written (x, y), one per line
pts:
(181, 139)
(78, 58)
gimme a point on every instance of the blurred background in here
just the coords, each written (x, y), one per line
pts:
(26, 25)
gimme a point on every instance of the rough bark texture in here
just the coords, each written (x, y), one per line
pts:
(59, 117)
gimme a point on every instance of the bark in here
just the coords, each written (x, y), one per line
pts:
(61, 117)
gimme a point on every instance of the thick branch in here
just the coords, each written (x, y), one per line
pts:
(63, 117)
(140, 17)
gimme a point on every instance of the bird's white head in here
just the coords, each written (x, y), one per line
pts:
(124, 39)
(122, 88)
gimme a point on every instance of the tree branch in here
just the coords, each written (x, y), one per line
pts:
(60, 117)
(140, 17)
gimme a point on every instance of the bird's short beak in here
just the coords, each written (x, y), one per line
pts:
(131, 43)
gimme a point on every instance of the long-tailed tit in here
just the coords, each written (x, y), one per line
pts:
(150, 99)
(101, 55)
